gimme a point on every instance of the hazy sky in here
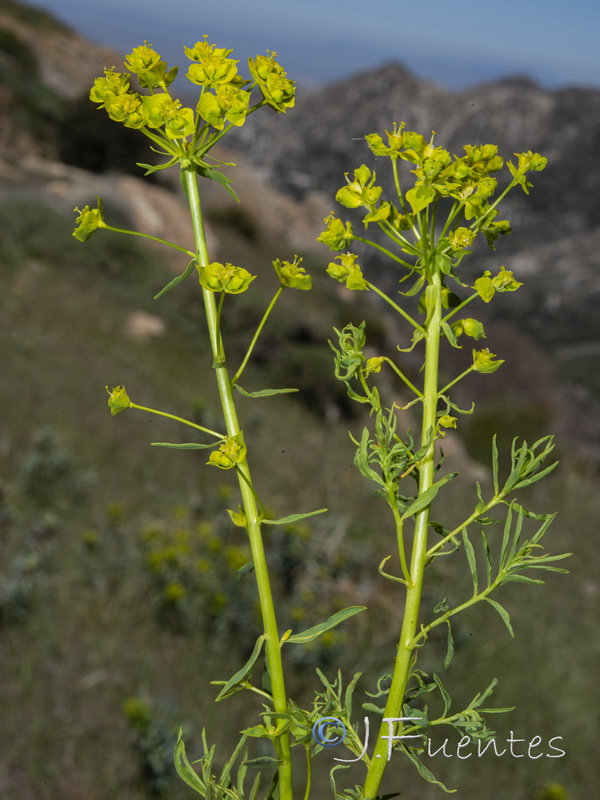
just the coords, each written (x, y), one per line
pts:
(453, 43)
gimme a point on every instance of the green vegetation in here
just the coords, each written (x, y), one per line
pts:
(125, 588)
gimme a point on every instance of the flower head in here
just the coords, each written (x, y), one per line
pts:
(118, 400)
(291, 274)
(88, 221)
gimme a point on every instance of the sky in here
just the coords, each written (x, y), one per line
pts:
(455, 44)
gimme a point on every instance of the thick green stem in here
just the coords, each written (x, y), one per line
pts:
(404, 655)
(273, 644)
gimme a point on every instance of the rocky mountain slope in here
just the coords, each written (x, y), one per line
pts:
(292, 164)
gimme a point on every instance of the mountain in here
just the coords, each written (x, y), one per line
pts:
(53, 138)
(554, 247)
(555, 229)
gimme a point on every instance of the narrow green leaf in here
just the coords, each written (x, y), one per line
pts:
(262, 762)
(225, 773)
(503, 613)
(313, 633)
(185, 446)
(231, 687)
(537, 477)
(483, 696)
(262, 392)
(445, 696)
(255, 787)
(184, 769)
(450, 647)
(487, 554)
(505, 539)
(423, 500)
(470, 553)
(187, 271)
(245, 569)
(451, 336)
(387, 575)
(373, 708)
(349, 693)
(522, 579)
(495, 463)
(425, 773)
(293, 517)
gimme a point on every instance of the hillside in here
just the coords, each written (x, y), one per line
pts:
(120, 598)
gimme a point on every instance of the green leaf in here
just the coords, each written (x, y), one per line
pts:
(231, 761)
(313, 633)
(423, 500)
(425, 773)
(373, 708)
(445, 696)
(232, 687)
(187, 271)
(420, 197)
(262, 762)
(487, 553)
(450, 335)
(481, 697)
(450, 647)
(470, 553)
(185, 446)
(245, 569)
(184, 769)
(293, 517)
(503, 613)
(262, 392)
(257, 731)
(495, 461)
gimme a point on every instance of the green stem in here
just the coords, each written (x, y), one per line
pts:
(152, 238)
(456, 309)
(403, 377)
(384, 250)
(396, 307)
(273, 645)
(252, 344)
(178, 419)
(477, 513)
(404, 655)
(456, 380)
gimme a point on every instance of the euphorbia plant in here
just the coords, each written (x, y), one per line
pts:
(430, 227)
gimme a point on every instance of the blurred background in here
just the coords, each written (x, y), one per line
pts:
(119, 598)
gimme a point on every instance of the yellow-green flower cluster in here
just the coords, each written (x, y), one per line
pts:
(113, 92)
(291, 274)
(483, 361)
(88, 221)
(347, 271)
(118, 400)
(486, 286)
(217, 277)
(361, 191)
(336, 235)
(277, 90)
(230, 453)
